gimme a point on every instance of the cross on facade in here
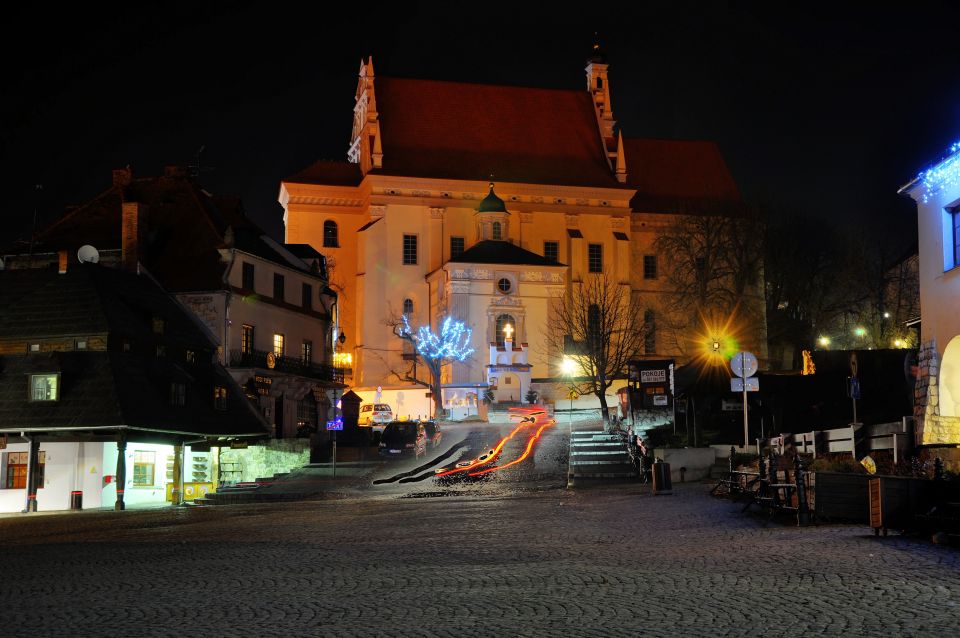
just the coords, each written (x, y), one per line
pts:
(508, 332)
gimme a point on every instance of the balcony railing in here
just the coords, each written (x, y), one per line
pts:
(290, 365)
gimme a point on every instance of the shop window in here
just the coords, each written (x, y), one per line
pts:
(45, 387)
(15, 475)
(144, 464)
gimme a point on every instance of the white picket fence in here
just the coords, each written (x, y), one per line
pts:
(853, 439)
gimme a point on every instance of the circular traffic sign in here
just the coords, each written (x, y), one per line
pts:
(744, 364)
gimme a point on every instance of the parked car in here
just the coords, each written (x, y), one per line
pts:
(403, 439)
(434, 435)
(375, 415)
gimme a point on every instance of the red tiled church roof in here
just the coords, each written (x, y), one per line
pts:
(330, 173)
(465, 131)
(672, 175)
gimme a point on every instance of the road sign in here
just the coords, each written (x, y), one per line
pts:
(853, 365)
(753, 384)
(744, 364)
(854, 389)
(335, 425)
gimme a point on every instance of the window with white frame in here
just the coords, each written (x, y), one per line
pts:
(144, 464)
(45, 387)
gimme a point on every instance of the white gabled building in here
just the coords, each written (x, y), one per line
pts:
(936, 191)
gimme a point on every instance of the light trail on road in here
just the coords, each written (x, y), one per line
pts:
(530, 443)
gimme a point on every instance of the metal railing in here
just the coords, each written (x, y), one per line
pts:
(291, 365)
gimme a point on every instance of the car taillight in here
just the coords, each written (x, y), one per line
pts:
(408, 445)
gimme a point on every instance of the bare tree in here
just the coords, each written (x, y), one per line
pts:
(714, 270)
(598, 325)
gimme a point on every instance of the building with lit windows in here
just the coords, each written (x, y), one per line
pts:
(487, 203)
(936, 191)
(265, 305)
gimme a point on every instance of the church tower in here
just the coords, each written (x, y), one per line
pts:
(599, 88)
(493, 218)
(365, 145)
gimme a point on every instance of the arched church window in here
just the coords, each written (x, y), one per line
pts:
(497, 230)
(502, 322)
(330, 234)
(408, 307)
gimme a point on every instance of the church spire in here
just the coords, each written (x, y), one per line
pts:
(365, 146)
(599, 89)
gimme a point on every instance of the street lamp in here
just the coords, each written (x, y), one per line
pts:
(568, 367)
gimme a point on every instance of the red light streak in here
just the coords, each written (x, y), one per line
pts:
(496, 451)
(477, 463)
(530, 443)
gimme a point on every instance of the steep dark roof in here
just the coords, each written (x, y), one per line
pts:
(184, 226)
(329, 172)
(455, 130)
(492, 204)
(676, 175)
(112, 389)
(502, 252)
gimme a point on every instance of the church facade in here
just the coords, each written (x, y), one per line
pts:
(486, 204)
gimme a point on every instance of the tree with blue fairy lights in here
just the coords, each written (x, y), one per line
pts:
(451, 344)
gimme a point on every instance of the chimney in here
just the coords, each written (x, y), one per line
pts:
(63, 261)
(131, 235)
(122, 176)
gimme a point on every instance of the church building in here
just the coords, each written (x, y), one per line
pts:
(486, 203)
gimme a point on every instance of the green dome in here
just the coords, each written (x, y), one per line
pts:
(491, 203)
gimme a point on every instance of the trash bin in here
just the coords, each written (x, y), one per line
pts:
(76, 500)
(661, 478)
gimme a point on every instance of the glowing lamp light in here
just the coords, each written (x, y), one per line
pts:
(508, 332)
(342, 359)
(860, 331)
(716, 345)
(824, 341)
(899, 343)
(568, 366)
(886, 315)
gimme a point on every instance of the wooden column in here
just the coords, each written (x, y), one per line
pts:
(121, 472)
(33, 466)
(177, 474)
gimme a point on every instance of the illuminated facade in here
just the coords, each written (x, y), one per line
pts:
(486, 203)
(937, 392)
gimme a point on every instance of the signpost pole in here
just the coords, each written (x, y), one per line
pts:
(746, 421)
(334, 454)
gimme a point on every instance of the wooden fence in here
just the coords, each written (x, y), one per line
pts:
(857, 439)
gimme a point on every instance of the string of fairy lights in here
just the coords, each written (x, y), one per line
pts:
(942, 175)
(453, 342)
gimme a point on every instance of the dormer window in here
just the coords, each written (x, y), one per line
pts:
(497, 231)
(45, 387)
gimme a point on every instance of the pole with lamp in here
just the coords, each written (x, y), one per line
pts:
(337, 419)
(567, 367)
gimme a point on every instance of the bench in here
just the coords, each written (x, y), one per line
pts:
(737, 482)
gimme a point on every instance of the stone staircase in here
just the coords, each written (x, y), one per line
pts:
(597, 455)
(244, 492)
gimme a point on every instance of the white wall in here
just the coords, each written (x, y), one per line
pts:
(697, 460)
(154, 494)
(68, 467)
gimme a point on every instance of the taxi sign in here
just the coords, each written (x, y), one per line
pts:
(336, 424)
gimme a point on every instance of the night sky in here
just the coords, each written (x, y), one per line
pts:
(819, 109)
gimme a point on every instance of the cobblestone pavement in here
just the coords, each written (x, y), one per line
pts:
(610, 560)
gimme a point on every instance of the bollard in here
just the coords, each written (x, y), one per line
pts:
(803, 512)
(733, 451)
(683, 472)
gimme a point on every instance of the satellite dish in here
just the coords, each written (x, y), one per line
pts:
(87, 254)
